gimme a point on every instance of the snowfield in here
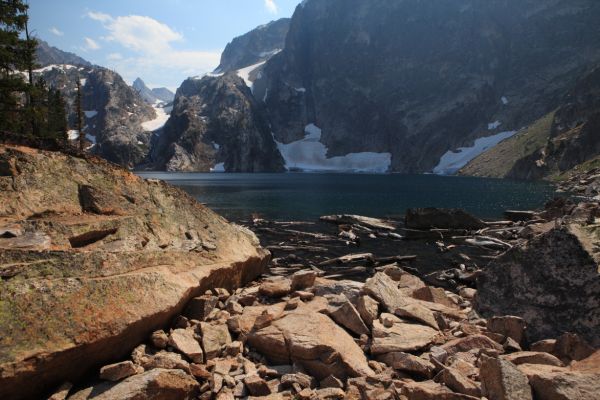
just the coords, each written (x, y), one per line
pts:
(90, 114)
(158, 122)
(452, 161)
(220, 167)
(244, 73)
(309, 154)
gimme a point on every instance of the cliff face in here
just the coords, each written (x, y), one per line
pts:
(255, 46)
(114, 112)
(417, 79)
(216, 124)
(93, 259)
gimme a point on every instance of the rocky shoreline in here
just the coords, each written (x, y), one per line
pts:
(440, 305)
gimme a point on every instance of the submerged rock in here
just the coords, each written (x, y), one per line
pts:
(428, 218)
(107, 279)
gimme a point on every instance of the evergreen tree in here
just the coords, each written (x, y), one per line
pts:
(13, 58)
(57, 116)
(79, 112)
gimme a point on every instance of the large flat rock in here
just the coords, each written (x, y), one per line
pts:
(120, 257)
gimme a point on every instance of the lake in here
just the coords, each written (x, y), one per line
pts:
(301, 196)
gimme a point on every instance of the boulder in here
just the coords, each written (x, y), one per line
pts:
(303, 279)
(472, 342)
(508, 326)
(400, 337)
(460, 383)
(554, 383)
(532, 357)
(118, 371)
(384, 289)
(551, 281)
(199, 307)
(215, 337)
(429, 218)
(313, 341)
(409, 363)
(501, 380)
(276, 287)
(116, 278)
(368, 309)
(430, 390)
(345, 314)
(184, 341)
(155, 384)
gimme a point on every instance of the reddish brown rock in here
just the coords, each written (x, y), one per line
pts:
(508, 326)
(116, 278)
(532, 357)
(400, 337)
(471, 343)
(184, 341)
(314, 341)
(155, 384)
(276, 287)
(501, 380)
(122, 370)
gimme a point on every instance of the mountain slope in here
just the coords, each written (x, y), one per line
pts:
(48, 55)
(416, 79)
(113, 111)
(151, 96)
(255, 46)
(216, 124)
(558, 143)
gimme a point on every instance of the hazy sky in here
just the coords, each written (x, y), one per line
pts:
(161, 41)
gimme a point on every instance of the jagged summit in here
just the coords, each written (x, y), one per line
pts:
(152, 96)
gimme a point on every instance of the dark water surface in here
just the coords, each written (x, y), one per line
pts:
(297, 196)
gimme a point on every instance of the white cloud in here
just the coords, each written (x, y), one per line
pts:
(141, 34)
(151, 49)
(271, 6)
(91, 44)
(98, 16)
(114, 56)
(54, 30)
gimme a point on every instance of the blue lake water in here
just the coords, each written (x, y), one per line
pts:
(297, 196)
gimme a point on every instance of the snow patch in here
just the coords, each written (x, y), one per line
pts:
(90, 114)
(309, 154)
(244, 73)
(452, 161)
(494, 125)
(82, 82)
(73, 134)
(216, 146)
(300, 90)
(504, 100)
(91, 138)
(220, 167)
(158, 122)
(61, 67)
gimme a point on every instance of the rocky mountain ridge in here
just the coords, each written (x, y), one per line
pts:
(254, 47)
(216, 124)
(152, 96)
(114, 113)
(351, 87)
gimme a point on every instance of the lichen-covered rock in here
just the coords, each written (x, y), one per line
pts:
(552, 282)
(100, 283)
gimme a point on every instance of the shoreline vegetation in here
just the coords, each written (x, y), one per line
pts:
(162, 297)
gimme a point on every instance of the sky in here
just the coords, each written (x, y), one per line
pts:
(161, 41)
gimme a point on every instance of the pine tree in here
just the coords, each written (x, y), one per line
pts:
(13, 58)
(79, 117)
(57, 116)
